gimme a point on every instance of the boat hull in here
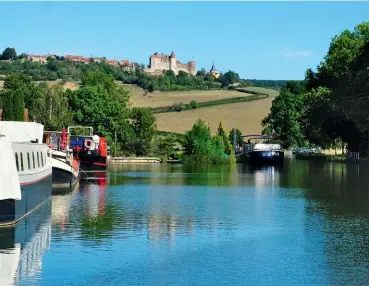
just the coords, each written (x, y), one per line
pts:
(63, 178)
(33, 195)
(266, 157)
(95, 164)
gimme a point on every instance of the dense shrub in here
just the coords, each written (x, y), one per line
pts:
(194, 104)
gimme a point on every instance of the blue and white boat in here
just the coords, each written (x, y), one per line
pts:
(25, 170)
(260, 149)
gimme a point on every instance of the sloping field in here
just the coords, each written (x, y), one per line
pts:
(158, 99)
(248, 117)
(271, 92)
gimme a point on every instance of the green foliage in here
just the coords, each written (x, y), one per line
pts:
(102, 105)
(163, 146)
(201, 147)
(144, 127)
(239, 139)
(224, 140)
(181, 107)
(18, 105)
(194, 104)
(8, 102)
(228, 78)
(9, 54)
(339, 92)
(143, 122)
(273, 84)
(51, 108)
(331, 106)
(285, 115)
(29, 89)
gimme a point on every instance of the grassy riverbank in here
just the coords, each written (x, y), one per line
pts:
(322, 157)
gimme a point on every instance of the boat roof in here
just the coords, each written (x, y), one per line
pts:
(56, 132)
(257, 136)
(18, 131)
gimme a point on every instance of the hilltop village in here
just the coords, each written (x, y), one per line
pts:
(158, 63)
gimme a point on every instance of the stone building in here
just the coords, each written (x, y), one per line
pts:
(160, 63)
(39, 58)
(214, 72)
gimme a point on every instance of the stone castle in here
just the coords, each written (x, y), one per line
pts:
(160, 63)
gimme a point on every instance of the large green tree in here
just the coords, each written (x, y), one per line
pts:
(286, 115)
(201, 147)
(339, 91)
(51, 108)
(100, 103)
(144, 127)
(9, 54)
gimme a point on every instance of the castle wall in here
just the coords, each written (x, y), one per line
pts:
(160, 63)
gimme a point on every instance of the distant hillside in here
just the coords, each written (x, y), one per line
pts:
(273, 84)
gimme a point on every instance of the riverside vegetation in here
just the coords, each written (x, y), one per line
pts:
(104, 105)
(330, 107)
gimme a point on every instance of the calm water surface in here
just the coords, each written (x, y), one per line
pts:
(304, 224)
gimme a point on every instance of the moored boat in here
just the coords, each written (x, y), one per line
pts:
(25, 170)
(22, 246)
(65, 165)
(91, 151)
(260, 149)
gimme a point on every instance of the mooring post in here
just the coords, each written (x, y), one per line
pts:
(234, 135)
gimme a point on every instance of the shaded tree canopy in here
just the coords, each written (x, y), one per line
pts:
(9, 54)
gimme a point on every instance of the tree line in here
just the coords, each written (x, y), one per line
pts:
(62, 68)
(99, 103)
(104, 105)
(331, 106)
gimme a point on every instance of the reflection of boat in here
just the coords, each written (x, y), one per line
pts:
(94, 191)
(22, 246)
(61, 204)
(25, 170)
(260, 149)
(91, 150)
(65, 166)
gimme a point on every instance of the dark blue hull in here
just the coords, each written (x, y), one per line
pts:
(23, 232)
(275, 157)
(11, 211)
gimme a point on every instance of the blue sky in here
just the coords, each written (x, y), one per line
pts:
(263, 40)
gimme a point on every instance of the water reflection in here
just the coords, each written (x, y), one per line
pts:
(22, 247)
(306, 223)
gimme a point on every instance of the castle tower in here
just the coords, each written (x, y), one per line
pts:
(192, 67)
(173, 62)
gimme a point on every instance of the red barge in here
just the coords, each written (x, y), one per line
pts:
(90, 150)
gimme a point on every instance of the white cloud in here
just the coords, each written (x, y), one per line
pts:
(291, 53)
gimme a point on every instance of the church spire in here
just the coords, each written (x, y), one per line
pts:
(213, 67)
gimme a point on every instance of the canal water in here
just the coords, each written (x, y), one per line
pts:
(304, 224)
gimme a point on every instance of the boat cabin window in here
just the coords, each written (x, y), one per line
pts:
(22, 167)
(38, 159)
(42, 159)
(16, 161)
(33, 160)
(29, 161)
